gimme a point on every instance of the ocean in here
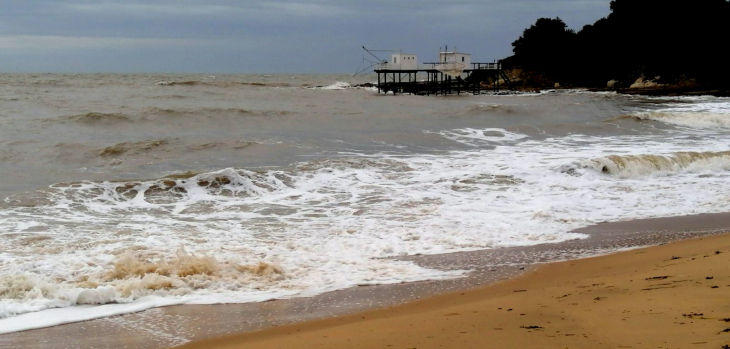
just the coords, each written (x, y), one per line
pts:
(122, 193)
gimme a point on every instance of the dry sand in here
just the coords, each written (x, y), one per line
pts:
(670, 296)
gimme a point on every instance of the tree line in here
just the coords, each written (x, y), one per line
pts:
(671, 41)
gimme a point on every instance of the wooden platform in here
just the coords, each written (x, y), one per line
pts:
(435, 82)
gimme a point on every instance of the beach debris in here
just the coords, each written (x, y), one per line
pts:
(659, 277)
(727, 319)
(533, 327)
(598, 298)
(519, 291)
(726, 346)
(675, 257)
(692, 315)
(715, 286)
(717, 252)
(726, 330)
(563, 296)
(709, 278)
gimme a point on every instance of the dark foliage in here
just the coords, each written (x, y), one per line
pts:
(672, 39)
(545, 47)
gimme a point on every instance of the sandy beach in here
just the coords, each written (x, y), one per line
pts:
(669, 296)
(600, 301)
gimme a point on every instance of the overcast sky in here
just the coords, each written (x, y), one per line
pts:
(227, 36)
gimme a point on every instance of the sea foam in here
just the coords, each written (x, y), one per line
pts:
(705, 120)
(693, 112)
(239, 235)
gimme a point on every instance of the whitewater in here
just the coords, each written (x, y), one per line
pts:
(124, 193)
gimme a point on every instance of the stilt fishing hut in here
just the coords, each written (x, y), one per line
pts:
(454, 73)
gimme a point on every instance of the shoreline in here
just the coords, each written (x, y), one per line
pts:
(668, 90)
(665, 296)
(177, 325)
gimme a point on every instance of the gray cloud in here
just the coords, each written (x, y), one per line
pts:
(220, 36)
(39, 42)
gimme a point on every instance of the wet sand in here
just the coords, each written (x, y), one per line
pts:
(670, 296)
(177, 325)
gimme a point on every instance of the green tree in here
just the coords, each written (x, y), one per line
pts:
(674, 39)
(547, 47)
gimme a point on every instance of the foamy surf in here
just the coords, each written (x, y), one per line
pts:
(238, 235)
(477, 137)
(634, 166)
(703, 120)
(340, 85)
(692, 112)
(59, 316)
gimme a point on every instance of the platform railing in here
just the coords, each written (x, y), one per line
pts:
(431, 66)
(391, 66)
(486, 66)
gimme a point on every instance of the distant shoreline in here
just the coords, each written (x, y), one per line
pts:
(671, 91)
(665, 90)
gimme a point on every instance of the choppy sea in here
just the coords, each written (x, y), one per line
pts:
(124, 192)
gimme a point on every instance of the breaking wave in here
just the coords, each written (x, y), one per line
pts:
(631, 166)
(698, 112)
(341, 85)
(703, 120)
(133, 277)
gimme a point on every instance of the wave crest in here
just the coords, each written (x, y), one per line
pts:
(135, 147)
(94, 117)
(132, 277)
(629, 166)
(703, 120)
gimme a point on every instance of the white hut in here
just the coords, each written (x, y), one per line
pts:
(455, 57)
(403, 61)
